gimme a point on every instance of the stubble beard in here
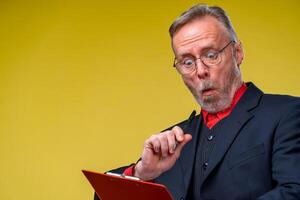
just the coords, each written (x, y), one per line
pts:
(223, 98)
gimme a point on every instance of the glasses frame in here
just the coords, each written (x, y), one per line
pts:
(218, 52)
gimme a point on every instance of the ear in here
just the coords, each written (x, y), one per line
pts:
(239, 53)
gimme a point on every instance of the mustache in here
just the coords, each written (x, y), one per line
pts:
(206, 85)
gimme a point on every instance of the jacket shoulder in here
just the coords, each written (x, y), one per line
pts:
(280, 101)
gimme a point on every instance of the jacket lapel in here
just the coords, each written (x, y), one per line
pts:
(188, 154)
(238, 118)
(223, 143)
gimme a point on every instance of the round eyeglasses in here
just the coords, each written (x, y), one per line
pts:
(187, 65)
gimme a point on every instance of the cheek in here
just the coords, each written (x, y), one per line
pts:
(218, 76)
(191, 83)
(223, 73)
(187, 81)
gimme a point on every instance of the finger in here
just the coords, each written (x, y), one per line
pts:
(153, 143)
(164, 147)
(171, 142)
(178, 132)
(186, 139)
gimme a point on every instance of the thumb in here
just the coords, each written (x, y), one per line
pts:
(186, 139)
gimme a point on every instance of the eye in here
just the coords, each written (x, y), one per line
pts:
(188, 62)
(211, 55)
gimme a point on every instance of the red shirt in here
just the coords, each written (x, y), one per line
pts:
(210, 120)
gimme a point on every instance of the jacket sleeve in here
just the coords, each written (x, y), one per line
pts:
(286, 157)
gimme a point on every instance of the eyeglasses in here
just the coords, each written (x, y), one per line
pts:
(187, 65)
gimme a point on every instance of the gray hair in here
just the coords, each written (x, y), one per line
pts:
(199, 11)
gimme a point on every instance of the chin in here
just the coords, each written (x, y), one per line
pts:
(213, 104)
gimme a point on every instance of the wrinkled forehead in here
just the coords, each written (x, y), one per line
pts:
(201, 31)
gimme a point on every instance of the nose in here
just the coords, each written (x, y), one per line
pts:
(201, 68)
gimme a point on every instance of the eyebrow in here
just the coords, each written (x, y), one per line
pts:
(205, 49)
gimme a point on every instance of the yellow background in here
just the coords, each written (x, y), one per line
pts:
(84, 83)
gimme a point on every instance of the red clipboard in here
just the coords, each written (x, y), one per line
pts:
(118, 187)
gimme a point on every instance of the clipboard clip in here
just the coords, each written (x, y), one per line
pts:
(123, 176)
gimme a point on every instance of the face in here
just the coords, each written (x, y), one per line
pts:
(214, 86)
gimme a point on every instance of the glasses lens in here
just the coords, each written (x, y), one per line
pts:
(185, 68)
(212, 60)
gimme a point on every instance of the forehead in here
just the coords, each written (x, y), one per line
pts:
(201, 32)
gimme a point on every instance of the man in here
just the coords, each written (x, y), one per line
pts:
(244, 145)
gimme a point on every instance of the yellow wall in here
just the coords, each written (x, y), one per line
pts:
(83, 83)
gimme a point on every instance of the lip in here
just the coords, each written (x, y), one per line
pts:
(208, 92)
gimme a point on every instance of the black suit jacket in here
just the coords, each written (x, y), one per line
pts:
(256, 157)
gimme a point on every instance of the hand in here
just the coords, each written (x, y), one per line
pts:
(160, 153)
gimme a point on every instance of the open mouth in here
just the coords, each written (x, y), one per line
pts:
(208, 92)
